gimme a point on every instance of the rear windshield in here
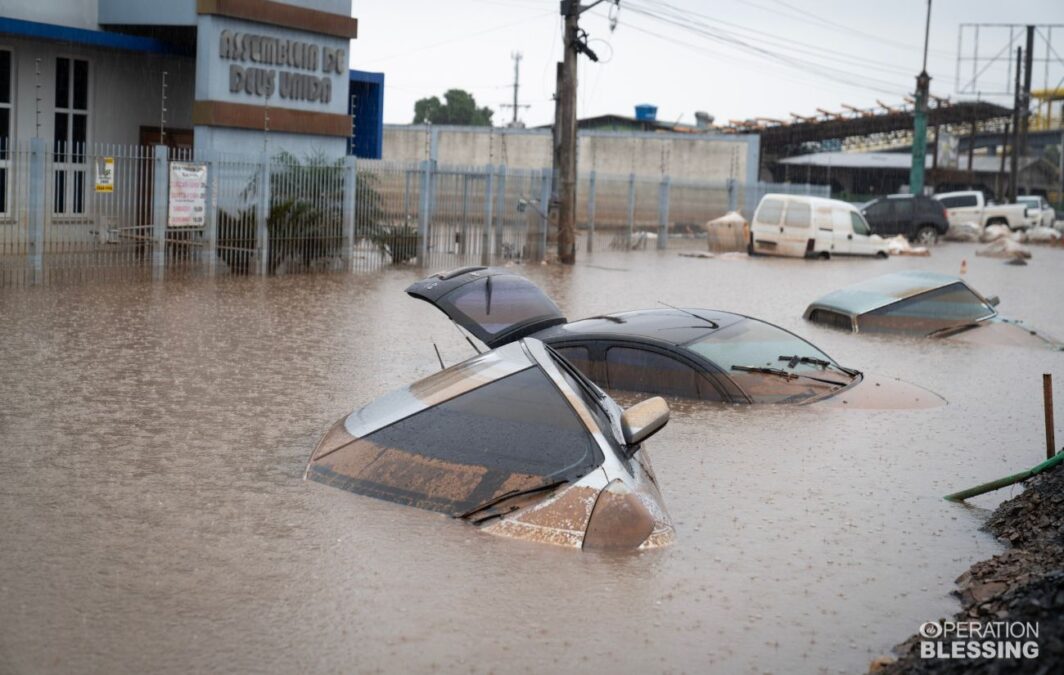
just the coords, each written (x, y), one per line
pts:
(959, 202)
(753, 343)
(516, 433)
(940, 308)
(498, 303)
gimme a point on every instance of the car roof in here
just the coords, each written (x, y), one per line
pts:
(813, 201)
(877, 292)
(666, 325)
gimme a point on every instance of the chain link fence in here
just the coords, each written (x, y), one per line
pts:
(74, 213)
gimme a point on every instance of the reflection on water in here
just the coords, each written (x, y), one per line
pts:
(152, 516)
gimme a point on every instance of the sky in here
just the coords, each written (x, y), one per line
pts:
(735, 59)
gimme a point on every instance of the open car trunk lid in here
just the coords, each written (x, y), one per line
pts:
(495, 305)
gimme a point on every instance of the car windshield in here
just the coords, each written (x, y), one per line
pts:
(934, 310)
(754, 344)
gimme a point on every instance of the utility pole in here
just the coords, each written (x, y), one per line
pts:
(923, 86)
(516, 56)
(1014, 157)
(1025, 97)
(565, 127)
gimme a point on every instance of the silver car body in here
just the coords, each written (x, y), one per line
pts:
(614, 504)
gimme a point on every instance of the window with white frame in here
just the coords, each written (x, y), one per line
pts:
(71, 135)
(6, 119)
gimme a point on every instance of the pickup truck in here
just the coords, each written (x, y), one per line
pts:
(971, 207)
(1039, 212)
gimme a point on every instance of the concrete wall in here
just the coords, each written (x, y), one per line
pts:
(681, 156)
(124, 90)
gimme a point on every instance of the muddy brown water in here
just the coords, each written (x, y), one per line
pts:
(153, 516)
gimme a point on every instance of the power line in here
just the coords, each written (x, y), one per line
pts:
(850, 78)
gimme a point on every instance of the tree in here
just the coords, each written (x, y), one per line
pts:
(459, 108)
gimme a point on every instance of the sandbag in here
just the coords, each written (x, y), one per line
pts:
(964, 232)
(1004, 248)
(995, 232)
(730, 232)
(899, 245)
(1042, 235)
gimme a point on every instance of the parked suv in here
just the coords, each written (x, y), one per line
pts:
(921, 219)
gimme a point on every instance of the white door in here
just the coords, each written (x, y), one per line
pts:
(962, 209)
(841, 232)
(767, 228)
(797, 228)
(861, 242)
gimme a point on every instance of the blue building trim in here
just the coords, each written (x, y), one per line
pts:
(366, 106)
(92, 38)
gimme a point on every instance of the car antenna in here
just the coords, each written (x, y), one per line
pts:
(711, 322)
(462, 333)
(442, 367)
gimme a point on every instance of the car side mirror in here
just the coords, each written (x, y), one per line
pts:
(643, 420)
(994, 300)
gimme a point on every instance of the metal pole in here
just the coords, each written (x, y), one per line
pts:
(1025, 98)
(160, 209)
(663, 213)
(1002, 188)
(923, 84)
(1014, 165)
(424, 204)
(262, 220)
(1047, 402)
(631, 207)
(591, 209)
(463, 228)
(210, 259)
(37, 207)
(349, 212)
(489, 204)
(544, 221)
(500, 209)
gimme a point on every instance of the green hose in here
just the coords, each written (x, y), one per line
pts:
(1007, 480)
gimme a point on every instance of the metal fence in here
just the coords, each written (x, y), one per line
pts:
(83, 212)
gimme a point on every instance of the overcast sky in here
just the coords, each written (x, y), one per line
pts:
(735, 59)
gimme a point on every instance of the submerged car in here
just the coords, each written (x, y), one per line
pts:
(686, 353)
(514, 441)
(923, 304)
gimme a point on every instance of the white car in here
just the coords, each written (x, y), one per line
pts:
(812, 227)
(1039, 212)
(971, 206)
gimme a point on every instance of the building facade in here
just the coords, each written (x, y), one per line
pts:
(241, 77)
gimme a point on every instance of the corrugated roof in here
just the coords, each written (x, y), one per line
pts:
(895, 161)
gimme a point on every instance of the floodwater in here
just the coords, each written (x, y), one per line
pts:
(153, 517)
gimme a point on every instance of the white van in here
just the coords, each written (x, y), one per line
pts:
(800, 227)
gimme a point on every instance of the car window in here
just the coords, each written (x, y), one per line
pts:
(859, 224)
(827, 317)
(514, 433)
(959, 202)
(640, 370)
(770, 211)
(953, 303)
(903, 208)
(578, 356)
(798, 214)
(879, 209)
(497, 303)
(755, 344)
